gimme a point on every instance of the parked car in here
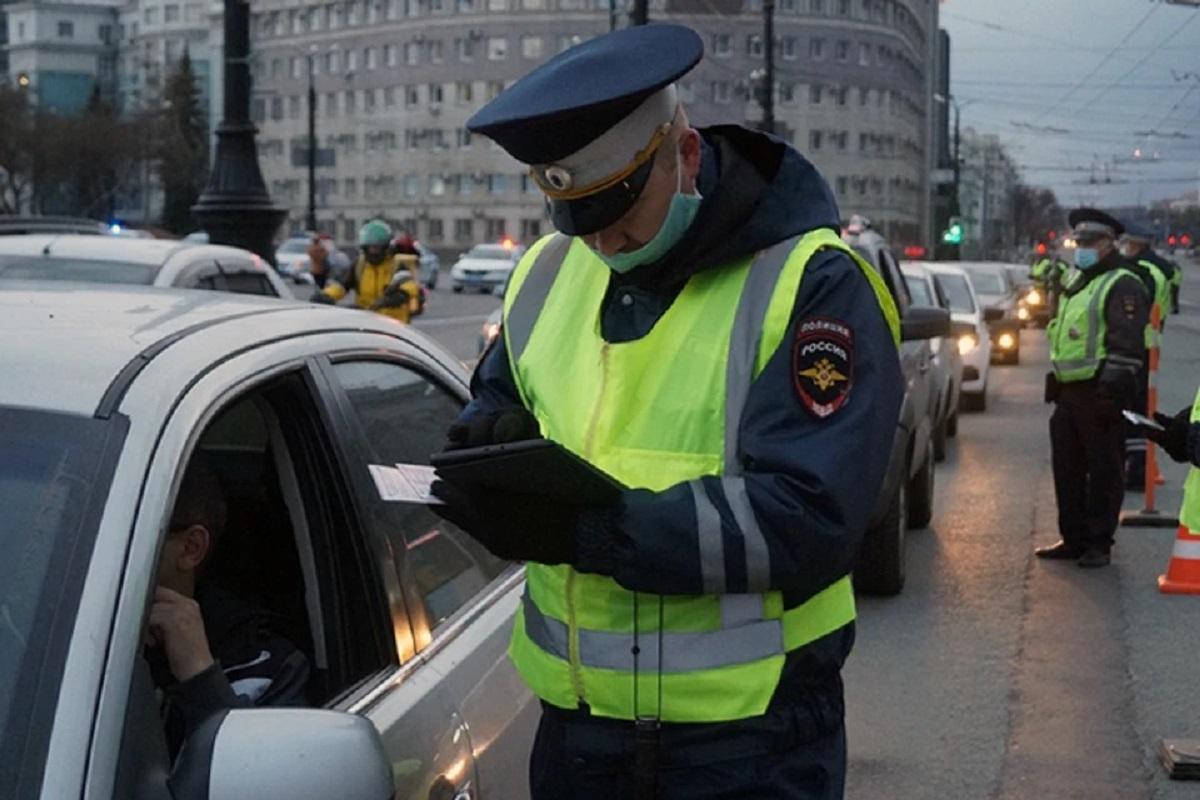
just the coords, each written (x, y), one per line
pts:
(12, 225)
(484, 267)
(302, 412)
(1033, 301)
(969, 329)
(150, 262)
(292, 261)
(906, 498)
(998, 296)
(947, 361)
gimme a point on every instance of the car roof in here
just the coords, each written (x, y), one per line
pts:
(985, 266)
(69, 341)
(148, 252)
(940, 267)
(914, 269)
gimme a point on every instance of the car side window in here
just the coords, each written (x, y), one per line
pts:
(403, 416)
(241, 277)
(891, 273)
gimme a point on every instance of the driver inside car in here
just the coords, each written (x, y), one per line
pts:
(209, 649)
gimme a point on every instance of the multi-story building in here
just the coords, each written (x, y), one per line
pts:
(153, 35)
(396, 80)
(988, 178)
(62, 51)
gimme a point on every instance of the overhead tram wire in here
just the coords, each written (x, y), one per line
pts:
(1178, 30)
(1103, 61)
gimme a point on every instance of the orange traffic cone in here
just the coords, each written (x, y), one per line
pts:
(1183, 571)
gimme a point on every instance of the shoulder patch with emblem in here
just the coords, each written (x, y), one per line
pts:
(823, 364)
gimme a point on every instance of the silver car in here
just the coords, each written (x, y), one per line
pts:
(947, 361)
(147, 262)
(404, 619)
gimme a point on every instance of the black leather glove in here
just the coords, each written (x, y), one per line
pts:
(320, 298)
(1174, 438)
(517, 527)
(507, 424)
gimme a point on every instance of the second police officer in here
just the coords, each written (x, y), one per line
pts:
(698, 330)
(1097, 342)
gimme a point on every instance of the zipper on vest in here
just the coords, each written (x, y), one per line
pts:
(589, 443)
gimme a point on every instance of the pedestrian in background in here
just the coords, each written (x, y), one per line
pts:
(698, 330)
(1097, 342)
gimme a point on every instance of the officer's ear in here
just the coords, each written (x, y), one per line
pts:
(689, 154)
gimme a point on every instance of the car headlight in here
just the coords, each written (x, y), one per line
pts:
(1022, 313)
(1034, 297)
(1007, 341)
(966, 343)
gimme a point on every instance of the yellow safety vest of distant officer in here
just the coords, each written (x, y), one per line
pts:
(1097, 348)
(380, 282)
(697, 330)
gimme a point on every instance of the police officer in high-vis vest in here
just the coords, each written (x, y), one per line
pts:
(1180, 438)
(696, 329)
(1097, 341)
(1136, 248)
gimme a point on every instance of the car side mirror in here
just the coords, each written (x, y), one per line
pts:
(993, 314)
(301, 754)
(924, 323)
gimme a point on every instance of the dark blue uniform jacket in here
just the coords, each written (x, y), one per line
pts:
(811, 481)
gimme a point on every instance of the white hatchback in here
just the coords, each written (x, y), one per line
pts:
(145, 262)
(298, 410)
(974, 340)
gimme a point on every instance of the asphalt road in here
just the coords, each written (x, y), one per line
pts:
(995, 675)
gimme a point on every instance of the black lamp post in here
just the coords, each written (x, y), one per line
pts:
(235, 208)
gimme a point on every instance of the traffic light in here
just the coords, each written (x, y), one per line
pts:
(1185, 240)
(1171, 240)
(1052, 235)
(954, 232)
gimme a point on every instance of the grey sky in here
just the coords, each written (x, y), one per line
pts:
(1081, 66)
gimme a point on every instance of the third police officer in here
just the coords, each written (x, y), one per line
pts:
(1097, 342)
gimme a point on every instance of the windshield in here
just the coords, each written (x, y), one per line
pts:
(54, 474)
(919, 289)
(988, 283)
(490, 251)
(294, 246)
(957, 292)
(63, 268)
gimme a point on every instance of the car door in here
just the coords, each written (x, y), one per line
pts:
(362, 643)
(462, 598)
(916, 360)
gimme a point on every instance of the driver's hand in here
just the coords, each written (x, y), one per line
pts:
(176, 625)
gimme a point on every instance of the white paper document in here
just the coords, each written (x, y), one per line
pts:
(405, 483)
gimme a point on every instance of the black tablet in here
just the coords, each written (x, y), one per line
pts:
(531, 467)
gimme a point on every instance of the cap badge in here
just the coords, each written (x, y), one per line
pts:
(558, 178)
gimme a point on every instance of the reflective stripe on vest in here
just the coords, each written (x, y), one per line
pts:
(1078, 358)
(619, 406)
(1189, 514)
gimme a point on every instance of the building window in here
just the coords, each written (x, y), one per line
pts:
(721, 44)
(464, 49)
(531, 229)
(170, 13)
(787, 6)
(351, 60)
(66, 30)
(294, 107)
(436, 230)
(412, 54)
(862, 142)
(497, 48)
(817, 6)
(816, 48)
(294, 67)
(369, 101)
(412, 96)
(787, 93)
(465, 6)
(814, 140)
(531, 46)
(787, 48)
(814, 95)
(841, 185)
(105, 34)
(843, 8)
(464, 138)
(370, 56)
(842, 51)
(720, 91)
(351, 101)
(351, 188)
(390, 58)
(435, 93)
(497, 5)
(754, 46)
(497, 184)
(437, 185)
(533, 5)
(150, 16)
(389, 97)
(436, 52)
(276, 108)
(258, 109)
(464, 229)
(864, 55)
(464, 93)
(841, 93)
(331, 108)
